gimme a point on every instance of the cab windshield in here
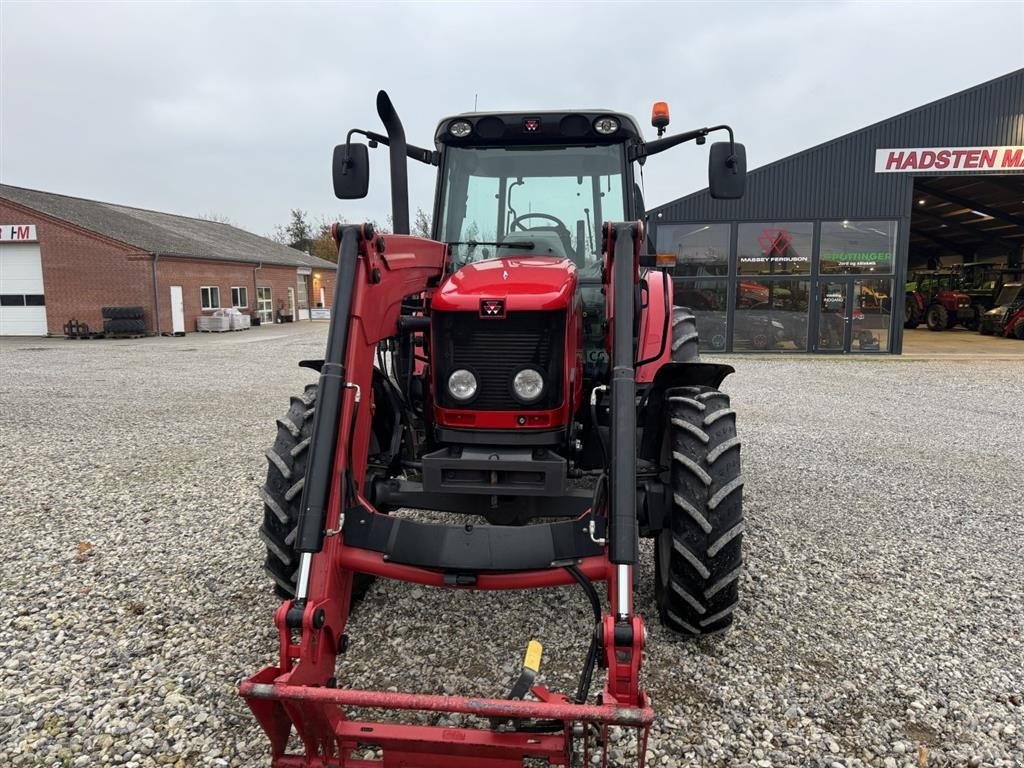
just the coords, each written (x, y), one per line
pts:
(538, 201)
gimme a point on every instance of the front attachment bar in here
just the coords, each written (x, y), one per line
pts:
(330, 737)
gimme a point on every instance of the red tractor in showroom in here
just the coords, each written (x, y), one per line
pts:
(525, 368)
(935, 297)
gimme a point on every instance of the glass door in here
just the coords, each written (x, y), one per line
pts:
(872, 315)
(264, 305)
(833, 316)
(303, 297)
(854, 315)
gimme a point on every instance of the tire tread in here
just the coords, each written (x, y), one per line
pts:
(705, 564)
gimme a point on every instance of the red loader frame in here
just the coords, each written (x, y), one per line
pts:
(302, 693)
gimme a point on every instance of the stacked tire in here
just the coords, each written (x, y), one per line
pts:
(123, 320)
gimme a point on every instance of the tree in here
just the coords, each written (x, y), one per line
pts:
(218, 218)
(297, 233)
(323, 245)
(421, 224)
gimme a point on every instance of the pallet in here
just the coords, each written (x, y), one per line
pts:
(86, 336)
(125, 335)
(210, 330)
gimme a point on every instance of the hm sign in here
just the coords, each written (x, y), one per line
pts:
(956, 159)
(17, 233)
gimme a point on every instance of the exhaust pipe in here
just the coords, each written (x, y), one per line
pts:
(399, 165)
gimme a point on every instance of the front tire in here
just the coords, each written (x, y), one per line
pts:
(282, 496)
(698, 556)
(910, 318)
(938, 318)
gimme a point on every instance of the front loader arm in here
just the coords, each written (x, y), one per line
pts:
(375, 272)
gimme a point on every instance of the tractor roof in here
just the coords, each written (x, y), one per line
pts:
(537, 127)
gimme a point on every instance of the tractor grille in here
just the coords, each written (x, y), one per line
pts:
(495, 350)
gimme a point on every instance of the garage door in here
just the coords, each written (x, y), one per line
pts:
(22, 306)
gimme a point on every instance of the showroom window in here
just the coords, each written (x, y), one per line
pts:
(701, 250)
(774, 248)
(709, 301)
(771, 315)
(210, 297)
(700, 275)
(239, 296)
(857, 247)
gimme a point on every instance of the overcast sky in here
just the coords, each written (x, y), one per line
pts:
(233, 108)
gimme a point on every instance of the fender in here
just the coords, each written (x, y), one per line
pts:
(673, 375)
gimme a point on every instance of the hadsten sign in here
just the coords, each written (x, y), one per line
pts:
(977, 159)
(17, 233)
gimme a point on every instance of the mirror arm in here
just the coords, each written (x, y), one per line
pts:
(413, 152)
(660, 145)
(731, 161)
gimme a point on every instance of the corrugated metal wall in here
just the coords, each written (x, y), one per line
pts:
(837, 179)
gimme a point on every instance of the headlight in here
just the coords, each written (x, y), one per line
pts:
(528, 385)
(606, 125)
(460, 129)
(462, 385)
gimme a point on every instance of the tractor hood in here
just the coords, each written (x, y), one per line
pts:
(521, 282)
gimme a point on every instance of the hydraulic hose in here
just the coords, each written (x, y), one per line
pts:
(583, 690)
(587, 675)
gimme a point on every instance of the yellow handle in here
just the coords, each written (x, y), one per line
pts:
(533, 653)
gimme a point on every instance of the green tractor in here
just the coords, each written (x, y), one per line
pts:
(982, 281)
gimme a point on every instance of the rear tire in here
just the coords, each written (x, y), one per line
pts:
(685, 339)
(975, 322)
(122, 325)
(122, 313)
(938, 318)
(282, 496)
(910, 318)
(698, 558)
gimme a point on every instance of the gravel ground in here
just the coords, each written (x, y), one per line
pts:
(880, 620)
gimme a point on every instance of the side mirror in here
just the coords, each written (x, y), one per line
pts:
(727, 170)
(351, 168)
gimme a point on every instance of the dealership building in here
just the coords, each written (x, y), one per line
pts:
(65, 258)
(816, 256)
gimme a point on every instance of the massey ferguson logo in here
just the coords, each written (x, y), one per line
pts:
(492, 308)
(774, 241)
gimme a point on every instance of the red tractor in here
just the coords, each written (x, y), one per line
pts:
(526, 351)
(935, 297)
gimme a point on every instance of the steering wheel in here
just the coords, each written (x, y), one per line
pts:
(559, 228)
(518, 221)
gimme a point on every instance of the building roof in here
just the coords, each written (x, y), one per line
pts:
(837, 179)
(166, 234)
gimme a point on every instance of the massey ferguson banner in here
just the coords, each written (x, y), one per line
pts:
(974, 159)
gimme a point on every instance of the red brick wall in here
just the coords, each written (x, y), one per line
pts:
(83, 272)
(192, 275)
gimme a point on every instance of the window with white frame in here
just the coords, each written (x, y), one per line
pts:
(210, 297)
(239, 296)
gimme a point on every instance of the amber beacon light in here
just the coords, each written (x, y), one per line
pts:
(659, 116)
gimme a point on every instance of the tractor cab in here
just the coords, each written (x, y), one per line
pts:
(533, 185)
